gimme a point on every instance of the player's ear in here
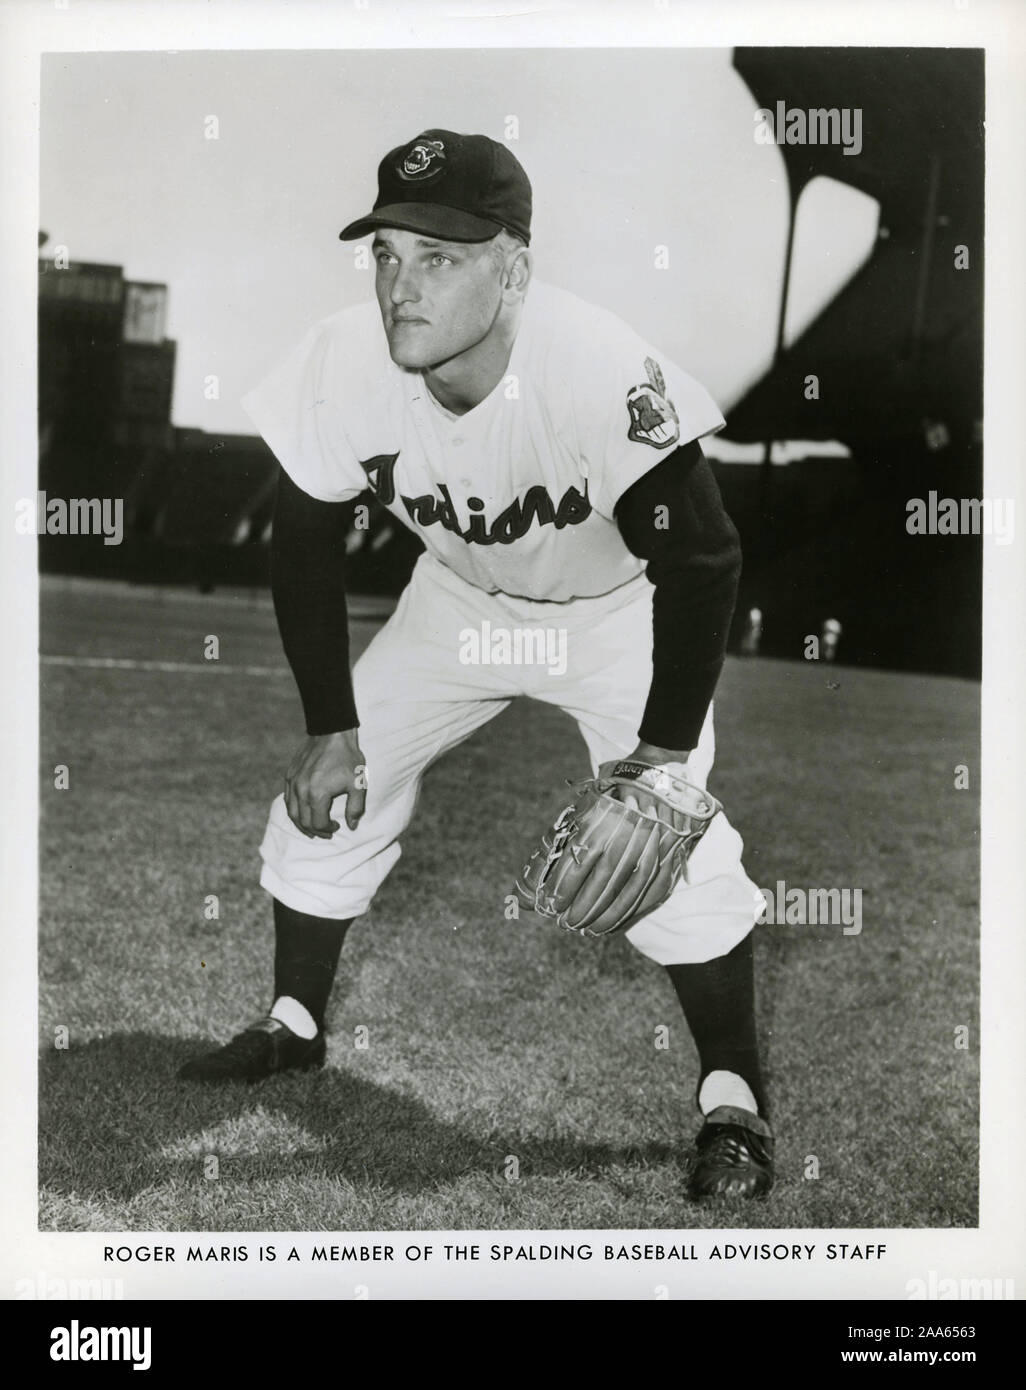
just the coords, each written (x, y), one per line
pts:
(517, 275)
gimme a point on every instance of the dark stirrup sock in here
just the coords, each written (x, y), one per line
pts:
(306, 952)
(718, 999)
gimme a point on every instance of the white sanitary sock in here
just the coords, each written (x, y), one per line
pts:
(296, 1016)
(725, 1088)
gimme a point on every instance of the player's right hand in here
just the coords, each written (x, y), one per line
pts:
(326, 766)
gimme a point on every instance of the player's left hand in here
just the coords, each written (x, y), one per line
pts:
(640, 799)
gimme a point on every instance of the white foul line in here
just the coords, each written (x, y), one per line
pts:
(111, 663)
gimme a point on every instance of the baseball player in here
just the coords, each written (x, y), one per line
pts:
(549, 460)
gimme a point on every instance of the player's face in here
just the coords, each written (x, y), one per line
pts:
(438, 299)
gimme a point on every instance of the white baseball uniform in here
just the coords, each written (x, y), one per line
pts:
(526, 586)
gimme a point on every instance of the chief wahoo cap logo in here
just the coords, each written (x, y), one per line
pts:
(422, 160)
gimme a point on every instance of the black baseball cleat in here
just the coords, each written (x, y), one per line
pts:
(264, 1048)
(734, 1155)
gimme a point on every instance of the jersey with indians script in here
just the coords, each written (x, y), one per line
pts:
(517, 495)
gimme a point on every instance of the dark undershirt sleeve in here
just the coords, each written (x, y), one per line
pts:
(694, 562)
(309, 591)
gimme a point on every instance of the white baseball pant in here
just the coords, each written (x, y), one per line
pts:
(416, 700)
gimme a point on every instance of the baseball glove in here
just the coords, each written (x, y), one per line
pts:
(604, 864)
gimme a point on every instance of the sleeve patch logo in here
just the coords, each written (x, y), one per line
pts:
(654, 420)
(425, 159)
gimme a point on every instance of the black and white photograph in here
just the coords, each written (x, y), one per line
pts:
(508, 535)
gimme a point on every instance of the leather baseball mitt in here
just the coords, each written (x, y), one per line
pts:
(604, 864)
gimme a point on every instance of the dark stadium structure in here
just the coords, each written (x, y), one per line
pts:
(899, 358)
(898, 354)
(197, 506)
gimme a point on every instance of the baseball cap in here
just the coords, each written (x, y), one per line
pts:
(457, 187)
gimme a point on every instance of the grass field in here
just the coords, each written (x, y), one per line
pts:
(487, 1039)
